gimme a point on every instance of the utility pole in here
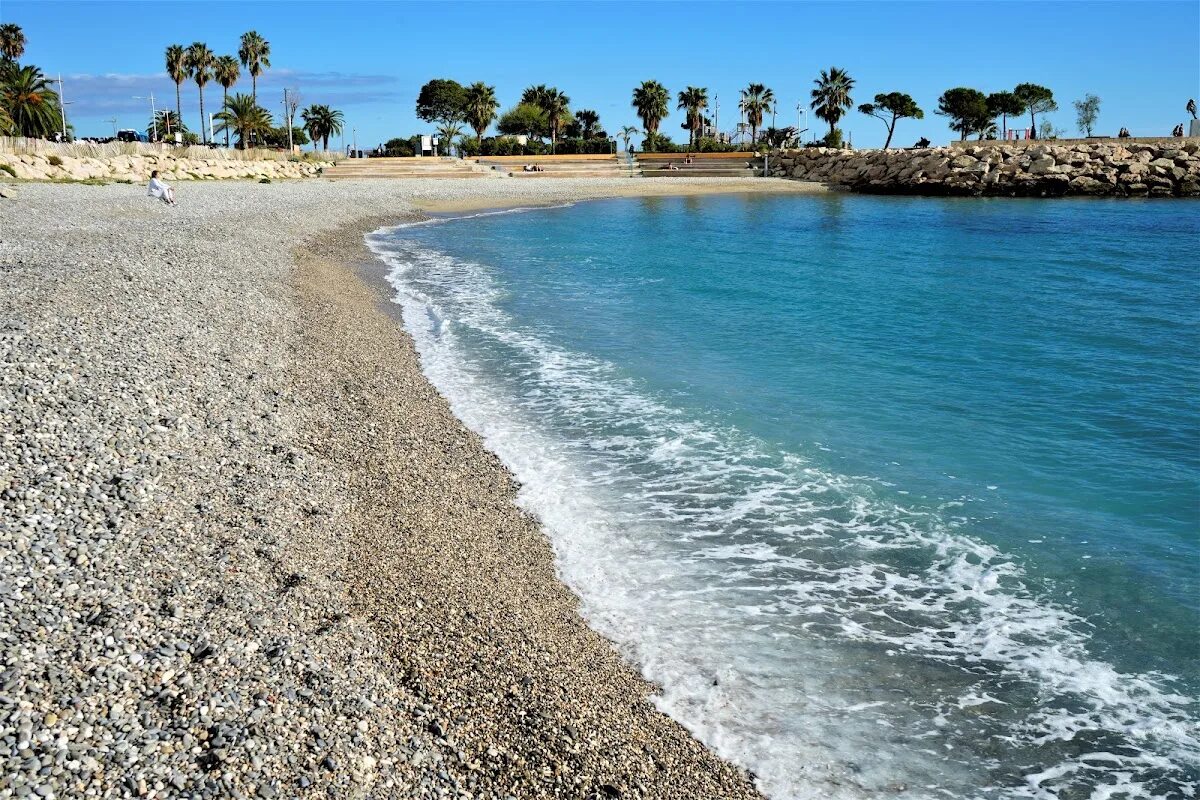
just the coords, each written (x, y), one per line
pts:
(62, 108)
(717, 115)
(153, 115)
(287, 112)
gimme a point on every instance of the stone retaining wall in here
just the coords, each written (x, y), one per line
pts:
(1160, 169)
(137, 168)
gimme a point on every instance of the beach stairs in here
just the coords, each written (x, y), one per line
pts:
(400, 168)
(703, 165)
(565, 166)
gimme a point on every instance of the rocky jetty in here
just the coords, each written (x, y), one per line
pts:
(137, 168)
(1168, 168)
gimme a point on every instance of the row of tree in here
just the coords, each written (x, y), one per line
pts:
(197, 62)
(29, 106)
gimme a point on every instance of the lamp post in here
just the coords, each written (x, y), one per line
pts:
(62, 108)
(153, 115)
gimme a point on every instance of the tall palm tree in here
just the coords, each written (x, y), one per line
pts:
(756, 100)
(556, 105)
(245, 117)
(226, 72)
(831, 98)
(692, 101)
(627, 133)
(200, 61)
(481, 108)
(31, 104)
(177, 70)
(650, 101)
(12, 41)
(321, 122)
(535, 95)
(255, 53)
(589, 122)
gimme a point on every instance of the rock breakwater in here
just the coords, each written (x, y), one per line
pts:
(1170, 168)
(54, 167)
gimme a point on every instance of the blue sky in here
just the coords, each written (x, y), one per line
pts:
(369, 59)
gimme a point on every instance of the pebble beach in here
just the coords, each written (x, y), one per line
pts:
(246, 550)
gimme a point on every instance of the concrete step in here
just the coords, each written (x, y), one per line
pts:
(582, 173)
(424, 176)
(701, 173)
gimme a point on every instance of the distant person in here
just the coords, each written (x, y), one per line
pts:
(1177, 131)
(1123, 133)
(160, 189)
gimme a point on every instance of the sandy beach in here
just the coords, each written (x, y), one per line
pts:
(246, 548)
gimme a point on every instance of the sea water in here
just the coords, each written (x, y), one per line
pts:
(893, 497)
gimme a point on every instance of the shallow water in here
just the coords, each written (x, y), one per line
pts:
(893, 496)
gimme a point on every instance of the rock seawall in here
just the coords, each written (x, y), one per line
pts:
(137, 168)
(1160, 169)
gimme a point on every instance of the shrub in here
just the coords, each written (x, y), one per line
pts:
(55, 161)
(579, 146)
(833, 138)
(657, 143)
(264, 180)
(707, 144)
(6, 168)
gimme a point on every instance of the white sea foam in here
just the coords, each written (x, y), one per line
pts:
(836, 643)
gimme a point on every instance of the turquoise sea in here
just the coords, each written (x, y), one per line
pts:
(894, 497)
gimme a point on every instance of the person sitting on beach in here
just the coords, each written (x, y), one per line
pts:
(160, 189)
(527, 168)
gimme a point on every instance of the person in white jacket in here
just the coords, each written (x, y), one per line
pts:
(160, 189)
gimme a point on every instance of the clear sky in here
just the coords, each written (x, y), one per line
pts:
(369, 59)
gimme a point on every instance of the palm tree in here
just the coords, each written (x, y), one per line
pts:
(165, 120)
(556, 105)
(481, 108)
(200, 61)
(321, 122)
(627, 133)
(693, 100)
(177, 70)
(31, 104)
(7, 126)
(650, 101)
(831, 98)
(535, 95)
(255, 53)
(245, 117)
(756, 100)
(448, 132)
(226, 72)
(12, 42)
(589, 122)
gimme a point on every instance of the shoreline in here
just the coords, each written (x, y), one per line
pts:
(357, 603)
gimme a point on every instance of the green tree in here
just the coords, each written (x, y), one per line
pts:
(650, 102)
(166, 120)
(524, 119)
(481, 108)
(966, 108)
(200, 62)
(627, 133)
(245, 117)
(29, 101)
(1086, 112)
(443, 101)
(1004, 105)
(692, 101)
(755, 101)
(588, 122)
(890, 107)
(226, 72)
(536, 95)
(831, 97)
(448, 132)
(177, 70)
(12, 42)
(558, 110)
(1035, 99)
(255, 54)
(321, 122)
(7, 126)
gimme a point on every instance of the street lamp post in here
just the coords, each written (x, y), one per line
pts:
(153, 115)
(62, 107)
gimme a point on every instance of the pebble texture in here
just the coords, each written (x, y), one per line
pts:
(1167, 168)
(246, 551)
